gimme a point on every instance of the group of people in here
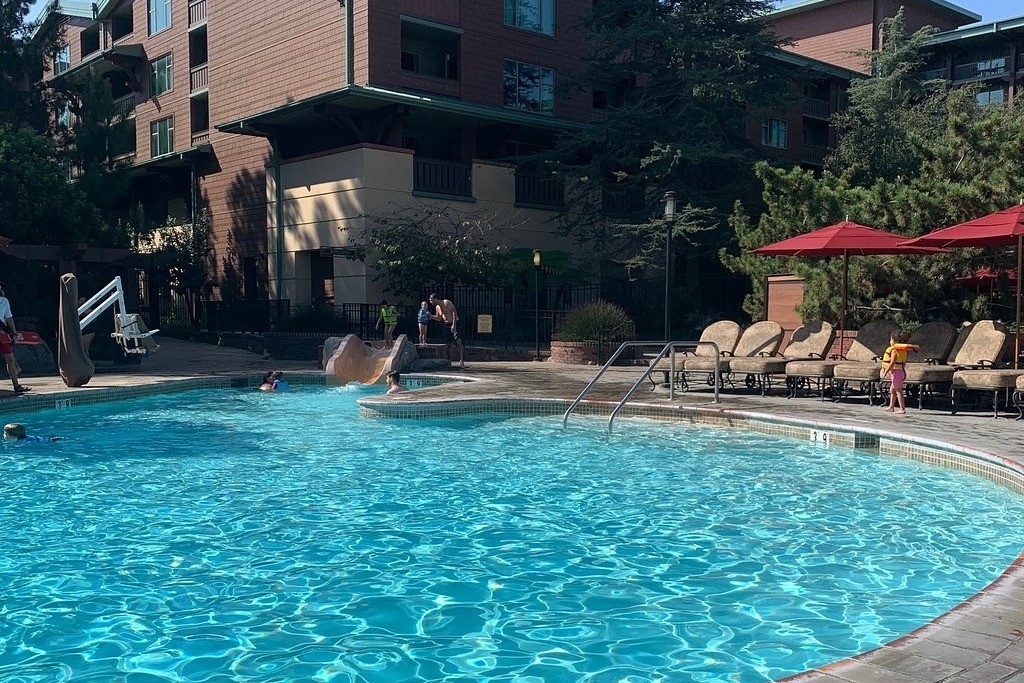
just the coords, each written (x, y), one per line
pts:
(444, 311)
(273, 381)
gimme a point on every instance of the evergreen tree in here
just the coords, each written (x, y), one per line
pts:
(677, 79)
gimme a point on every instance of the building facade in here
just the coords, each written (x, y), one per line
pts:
(294, 134)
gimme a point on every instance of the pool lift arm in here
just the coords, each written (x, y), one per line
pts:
(129, 330)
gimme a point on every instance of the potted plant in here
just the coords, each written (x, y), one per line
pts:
(589, 334)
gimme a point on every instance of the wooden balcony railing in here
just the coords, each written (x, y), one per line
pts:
(816, 108)
(540, 190)
(442, 177)
(985, 68)
(196, 12)
(125, 106)
(932, 74)
(813, 154)
(198, 78)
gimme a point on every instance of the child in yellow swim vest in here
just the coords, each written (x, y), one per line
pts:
(894, 363)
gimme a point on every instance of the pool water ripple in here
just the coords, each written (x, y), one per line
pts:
(237, 535)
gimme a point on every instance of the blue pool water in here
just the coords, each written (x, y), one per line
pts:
(246, 536)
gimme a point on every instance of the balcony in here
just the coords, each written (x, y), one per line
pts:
(198, 78)
(124, 107)
(451, 178)
(813, 155)
(932, 74)
(196, 12)
(816, 108)
(540, 190)
(200, 137)
(986, 68)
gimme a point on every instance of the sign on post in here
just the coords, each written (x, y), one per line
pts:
(484, 324)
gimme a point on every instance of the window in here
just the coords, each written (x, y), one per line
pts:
(89, 40)
(775, 133)
(64, 116)
(62, 59)
(161, 137)
(531, 15)
(987, 97)
(161, 75)
(159, 15)
(529, 87)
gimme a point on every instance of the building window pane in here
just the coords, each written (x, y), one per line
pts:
(62, 59)
(987, 97)
(161, 136)
(775, 133)
(161, 75)
(529, 87)
(531, 15)
(159, 15)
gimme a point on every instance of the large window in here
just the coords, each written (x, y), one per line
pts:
(775, 133)
(161, 137)
(159, 15)
(161, 75)
(62, 59)
(532, 15)
(987, 97)
(529, 87)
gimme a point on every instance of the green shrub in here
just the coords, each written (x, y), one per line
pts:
(315, 320)
(599, 321)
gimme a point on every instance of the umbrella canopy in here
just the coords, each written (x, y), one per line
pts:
(986, 276)
(844, 239)
(1000, 229)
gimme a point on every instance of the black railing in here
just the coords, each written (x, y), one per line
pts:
(442, 177)
(816, 108)
(541, 190)
(985, 68)
(244, 315)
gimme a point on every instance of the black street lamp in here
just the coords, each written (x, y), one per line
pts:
(670, 219)
(536, 309)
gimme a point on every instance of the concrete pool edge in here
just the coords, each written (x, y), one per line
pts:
(981, 639)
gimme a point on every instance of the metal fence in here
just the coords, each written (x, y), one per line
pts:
(517, 316)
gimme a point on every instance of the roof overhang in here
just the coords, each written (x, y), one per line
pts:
(815, 65)
(123, 55)
(174, 160)
(961, 14)
(979, 31)
(66, 8)
(297, 115)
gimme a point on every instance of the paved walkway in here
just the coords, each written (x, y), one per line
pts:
(980, 642)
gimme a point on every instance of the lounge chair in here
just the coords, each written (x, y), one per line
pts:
(810, 341)
(724, 333)
(867, 347)
(935, 340)
(762, 339)
(975, 363)
(938, 342)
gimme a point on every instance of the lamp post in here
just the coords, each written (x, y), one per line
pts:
(536, 301)
(670, 219)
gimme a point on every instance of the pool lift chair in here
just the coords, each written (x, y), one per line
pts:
(130, 331)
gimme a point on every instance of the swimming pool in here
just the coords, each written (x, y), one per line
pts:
(262, 537)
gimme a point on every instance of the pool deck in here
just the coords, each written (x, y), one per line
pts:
(981, 641)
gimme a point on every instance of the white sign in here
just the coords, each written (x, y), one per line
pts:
(484, 324)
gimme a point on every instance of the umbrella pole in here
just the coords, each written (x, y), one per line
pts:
(1016, 330)
(842, 311)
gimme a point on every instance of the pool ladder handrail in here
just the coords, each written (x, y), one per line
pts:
(670, 349)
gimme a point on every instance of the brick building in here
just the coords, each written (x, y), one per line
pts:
(358, 109)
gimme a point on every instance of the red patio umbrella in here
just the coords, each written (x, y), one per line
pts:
(844, 239)
(986, 276)
(1000, 229)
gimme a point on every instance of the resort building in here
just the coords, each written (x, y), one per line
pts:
(295, 134)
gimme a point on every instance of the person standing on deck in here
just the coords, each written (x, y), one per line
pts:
(445, 312)
(8, 336)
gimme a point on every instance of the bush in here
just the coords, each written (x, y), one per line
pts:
(599, 321)
(315, 320)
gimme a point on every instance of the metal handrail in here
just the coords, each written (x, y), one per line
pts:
(666, 348)
(669, 348)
